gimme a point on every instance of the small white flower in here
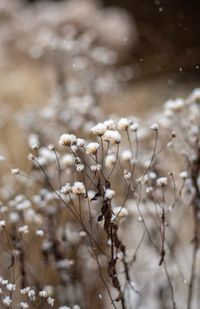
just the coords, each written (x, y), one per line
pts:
(40, 233)
(25, 290)
(109, 194)
(33, 141)
(67, 140)
(134, 127)
(11, 287)
(66, 188)
(126, 155)
(110, 124)
(123, 124)
(110, 160)
(15, 171)
(92, 148)
(7, 301)
(174, 105)
(99, 129)
(51, 147)
(119, 212)
(43, 293)
(154, 127)
(24, 305)
(162, 181)
(31, 294)
(30, 156)
(67, 160)
(24, 229)
(183, 174)
(51, 301)
(2, 223)
(78, 188)
(80, 167)
(80, 142)
(95, 168)
(112, 136)
(127, 175)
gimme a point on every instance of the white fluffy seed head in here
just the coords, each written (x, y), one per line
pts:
(112, 136)
(99, 129)
(109, 194)
(162, 181)
(183, 174)
(126, 155)
(92, 148)
(78, 188)
(123, 124)
(67, 140)
(154, 127)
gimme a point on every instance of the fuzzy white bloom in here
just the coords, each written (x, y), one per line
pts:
(119, 212)
(149, 190)
(31, 294)
(162, 181)
(66, 188)
(67, 140)
(127, 175)
(154, 127)
(92, 148)
(134, 127)
(64, 307)
(80, 167)
(183, 174)
(4, 282)
(123, 124)
(24, 229)
(11, 287)
(112, 136)
(24, 305)
(126, 155)
(51, 301)
(110, 124)
(2, 223)
(110, 160)
(78, 188)
(30, 157)
(15, 171)
(43, 293)
(109, 194)
(40, 233)
(2, 158)
(95, 168)
(7, 301)
(33, 141)
(76, 307)
(174, 105)
(25, 290)
(67, 160)
(51, 147)
(80, 142)
(195, 96)
(99, 129)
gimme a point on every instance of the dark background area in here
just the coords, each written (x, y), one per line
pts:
(169, 35)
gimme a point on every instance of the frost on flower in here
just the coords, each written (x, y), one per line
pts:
(112, 136)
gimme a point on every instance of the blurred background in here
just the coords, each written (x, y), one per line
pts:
(155, 47)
